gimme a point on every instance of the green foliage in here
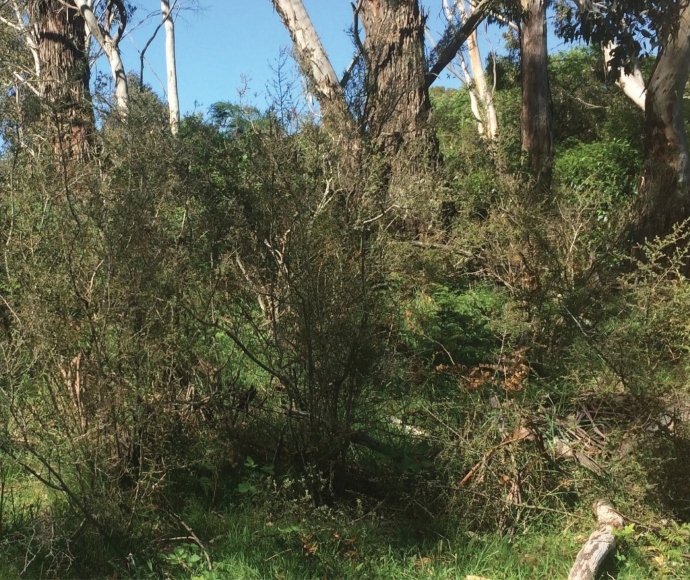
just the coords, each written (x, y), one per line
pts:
(645, 335)
(600, 173)
(446, 327)
(249, 344)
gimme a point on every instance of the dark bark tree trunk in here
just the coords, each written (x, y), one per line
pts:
(665, 192)
(398, 105)
(536, 121)
(65, 75)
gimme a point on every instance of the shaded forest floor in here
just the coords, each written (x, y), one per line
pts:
(351, 539)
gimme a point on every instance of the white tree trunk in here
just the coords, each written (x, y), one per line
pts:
(310, 51)
(171, 65)
(111, 49)
(632, 84)
(481, 97)
(471, 90)
(485, 94)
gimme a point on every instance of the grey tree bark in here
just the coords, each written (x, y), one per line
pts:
(599, 544)
(665, 194)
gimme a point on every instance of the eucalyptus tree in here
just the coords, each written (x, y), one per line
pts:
(113, 15)
(662, 29)
(472, 72)
(64, 74)
(171, 64)
(394, 106)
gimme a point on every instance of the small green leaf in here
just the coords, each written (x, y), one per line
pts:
(246, 487)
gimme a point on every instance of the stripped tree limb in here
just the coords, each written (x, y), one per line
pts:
(453, 38)
(167, 8)
(599, 545)
(110, 44)
(632, 83)
(193, 536)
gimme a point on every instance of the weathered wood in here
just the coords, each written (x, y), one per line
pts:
(599, 545)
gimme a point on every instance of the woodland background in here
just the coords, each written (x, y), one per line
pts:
(376, 330)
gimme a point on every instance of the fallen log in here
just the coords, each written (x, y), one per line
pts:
(599, 545)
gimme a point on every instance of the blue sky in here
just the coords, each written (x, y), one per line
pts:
(225, 40)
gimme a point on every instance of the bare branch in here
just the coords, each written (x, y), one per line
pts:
(453, 39)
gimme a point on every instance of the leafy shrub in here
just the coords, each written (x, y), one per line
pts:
(600, 173)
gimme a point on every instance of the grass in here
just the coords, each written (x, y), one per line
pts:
(256, 553)
(273, 530)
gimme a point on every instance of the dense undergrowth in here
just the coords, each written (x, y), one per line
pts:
(223, 357)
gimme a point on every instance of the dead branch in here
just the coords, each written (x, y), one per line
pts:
(599, 545)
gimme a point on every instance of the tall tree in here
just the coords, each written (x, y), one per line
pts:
(171, 65)
(65, 75)
(665, 190)
(536, 119)
(398, 104)
(396, 77)
(666, 194)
